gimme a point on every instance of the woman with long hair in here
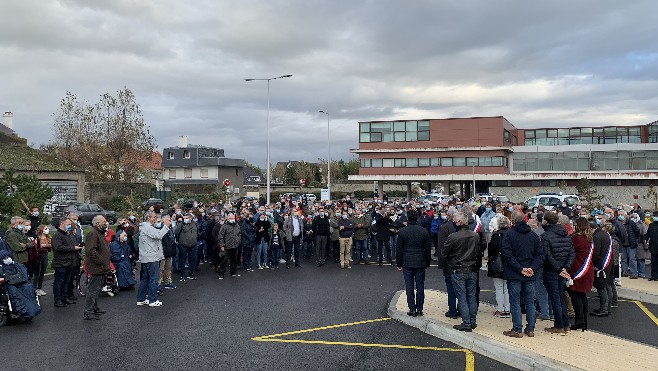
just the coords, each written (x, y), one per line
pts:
(44, 246)
(581, 272)
(495, 267)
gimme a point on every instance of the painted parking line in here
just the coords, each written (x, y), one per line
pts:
(277, 338)
(644, 309)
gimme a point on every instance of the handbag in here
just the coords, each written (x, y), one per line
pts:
(495, 267)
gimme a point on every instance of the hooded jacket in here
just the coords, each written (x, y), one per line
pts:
(248, 232)
(557, 247)
(521, 249)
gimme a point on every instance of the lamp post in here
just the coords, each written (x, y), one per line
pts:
(268, 127)
(328, 156)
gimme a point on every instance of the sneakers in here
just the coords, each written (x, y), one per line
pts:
(145, 302)
(260, 267)
(220, 277)
(191, 278)
(170, 286)
(156, 303)
(90, 317)
(498, 313)
(505, 315)
(237, 275)
(41, 292)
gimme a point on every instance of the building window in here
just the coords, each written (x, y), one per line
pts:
(204, 173)
(471, 161)
(387, 162)
(365, 162)
(412, 162)
(423, 162)
(171, 155)
(400, 162)
(397, 131)
(458, 161)
(435, 161)
(187, 173)
(172, 173)
(376, 162)
(186, 154)
(446, 161)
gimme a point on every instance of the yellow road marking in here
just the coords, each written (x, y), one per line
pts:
(275, 338)
(646, 311)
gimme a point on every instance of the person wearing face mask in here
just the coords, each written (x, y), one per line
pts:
(150, 255)
(642, 252)
(294, 228)
(19, 290)
(97, 265)
(228, 242)
(65, 260)
(17, 240)
(120, 257)
(262, 226)
(345, 230)
(651, 238)
(361, 227)
(485, 218)
(248, 240)
(186, 234)
(383, 226)
(33, 217)
(44, 247)
(31, 247)
(629, 245)
(320, 229)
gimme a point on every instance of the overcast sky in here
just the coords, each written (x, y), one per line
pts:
(538, 63)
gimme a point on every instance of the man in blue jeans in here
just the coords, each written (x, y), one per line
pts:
(460, 255)
(150, 254)
(446, 230)
(522, 257)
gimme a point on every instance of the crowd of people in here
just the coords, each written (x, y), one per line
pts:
(539, 260)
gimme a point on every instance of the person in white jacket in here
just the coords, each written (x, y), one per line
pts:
(150, 254)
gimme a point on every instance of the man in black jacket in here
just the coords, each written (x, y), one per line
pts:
(557, 246)
(413, 255)
(460, 255)
(652, 238)
(65, 250)
(522, 257)
(383, 226)
(603, 277)
(320, 229)
(446, 230)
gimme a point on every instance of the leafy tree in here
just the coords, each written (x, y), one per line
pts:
(652, 193)
(587, 192)
(16, 189)
(253, 167)
(108, 139)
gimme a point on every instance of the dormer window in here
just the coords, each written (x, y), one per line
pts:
(171, 155)
(186, 154)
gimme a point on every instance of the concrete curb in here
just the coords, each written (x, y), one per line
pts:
(506, 354)
(637, 295)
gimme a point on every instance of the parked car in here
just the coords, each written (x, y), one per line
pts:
(310, 197)
(158, 204)
(551, 200)
(292, 196)
(495, 199)
(86, 212)
(430, 197)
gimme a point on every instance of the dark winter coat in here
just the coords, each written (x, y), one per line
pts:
(581, 247)
(445, 230)
(521, 249)
(414, 247)
(383, 227)
(64, 252)
(248, 232)
(460, 253)
(494, 249)
(557, 247)
(20, 292)
(169, 245)
(120, 252)
(652, 236)
(229, 236)
(14, 239)
(348, 227)
(186, 234)
(633, 233)
(320, 226)
(97, 254)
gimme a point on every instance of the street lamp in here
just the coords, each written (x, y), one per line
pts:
(328, 156)
(268, 127)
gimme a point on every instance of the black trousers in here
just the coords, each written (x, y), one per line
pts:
(579, 301)
(230, 259)
(296, 246)
(95, 284)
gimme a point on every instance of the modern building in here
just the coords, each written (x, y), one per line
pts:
(490, 154)
(196, 167)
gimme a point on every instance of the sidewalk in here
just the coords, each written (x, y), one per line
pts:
(639, 289)
(595, 351)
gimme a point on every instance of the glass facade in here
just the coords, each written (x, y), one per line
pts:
(395, 131)
(567, 136)
(653, 132)
(585, 161)
(435, 162)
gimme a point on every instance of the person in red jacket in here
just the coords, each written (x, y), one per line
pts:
(581, 272)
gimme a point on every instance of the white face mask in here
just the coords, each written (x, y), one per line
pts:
(27, 228)
(46, 231)
(8, 261)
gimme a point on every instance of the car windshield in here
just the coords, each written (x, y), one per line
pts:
(95, 207)
(532, 202)
(571, 200)
(503, 199)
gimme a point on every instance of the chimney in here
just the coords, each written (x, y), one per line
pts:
(7, 120)
(182, 141)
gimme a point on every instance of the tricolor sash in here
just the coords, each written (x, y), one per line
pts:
(477, 225)
(606, 260)
(588, 263)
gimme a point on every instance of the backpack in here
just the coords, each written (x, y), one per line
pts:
(4, 246)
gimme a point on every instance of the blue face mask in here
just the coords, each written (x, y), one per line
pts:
(444, 217)
(68, 228)
(345, 216)
(621, 217)
(158, 225)
(655, 218)
(36, 213)
(20, 227)
(510, 208)
(487, 208)
(124, 238)
(598, 221)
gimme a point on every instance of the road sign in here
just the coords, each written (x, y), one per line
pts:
(302, 182)
(227, 183)
(324, 194)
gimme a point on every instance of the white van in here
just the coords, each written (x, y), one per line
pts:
(551, 200)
